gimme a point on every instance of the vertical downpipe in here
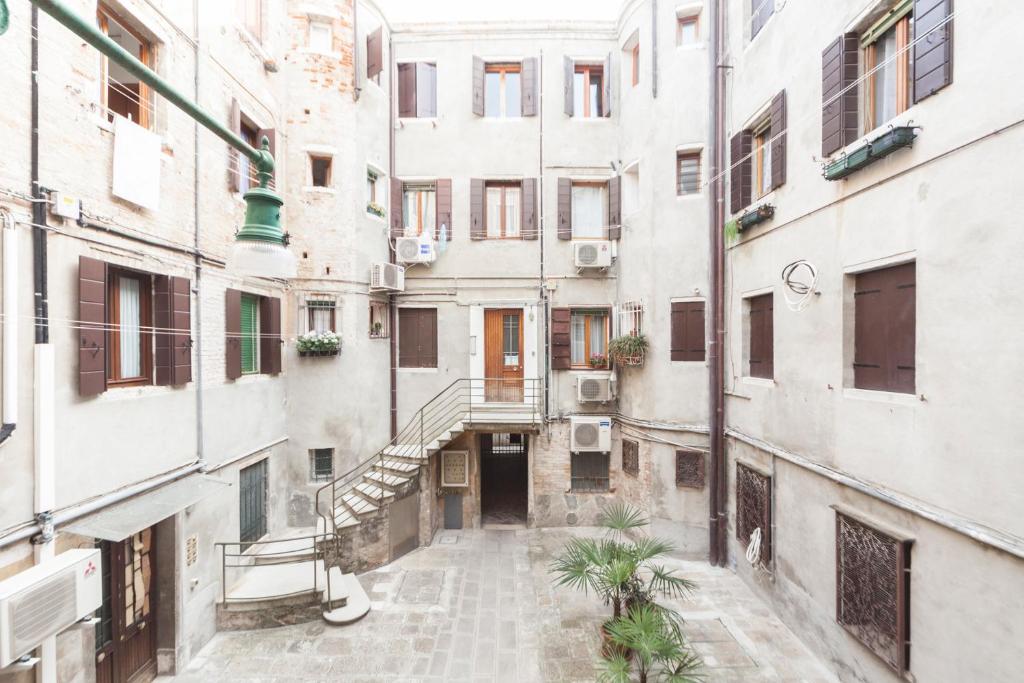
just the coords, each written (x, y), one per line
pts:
(200, 450)
(542, 237)
(654, 48)
(392, 315)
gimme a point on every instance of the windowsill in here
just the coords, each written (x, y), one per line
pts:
(130, 392)
(315, 189)
(507, 119)
(375, 217)
(757, 381)
(900, 120)
(590, 118)
(418, 371)
(582, 492)
(418, 119)
(880, 396)
(252, 378)
(588, 369)
(702, 363)
(689, 195)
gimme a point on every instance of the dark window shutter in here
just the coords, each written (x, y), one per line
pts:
(885, 329)
(234, 182)
(687, 330)
(92, 338)
(181, 322)
(426, 90)
(163, 365)
(630, 457)
(615, 207)
(417, 337)
(606, 84)
(690, 468)
(270, 335)
(564, 209)
(740, 171)
(778, 135)
(271, 135)
(561, 351)
(397, 228)
(407, 90)
(478, 86)
(839, 63)
(443, 206)
(233, 333)
(762, 337)
(529, 87)
(374, 53)
(428, 338)
(569, 74)
(477, 229)
(529, 201)
(933, 47)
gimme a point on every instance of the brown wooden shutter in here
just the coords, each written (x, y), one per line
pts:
(478, 86)
(417, 337)
(443, 204)
(270, 335)
(234, 166)
(778, 135)
(477, 229)
(374, 53)
(407, 89)
(606, 84)
(740, 171)
(615, 207)
(885, 329)
(933, 47)
(569, 75)
(428, 338)
(163, 364)
(529, 87)
(687, 327)
(839, 63)
(528, 229)
(181, 323)
(233, 333)
(561, 342)
(92, 338)
(397, 229)
(762, 350)
(564, 209)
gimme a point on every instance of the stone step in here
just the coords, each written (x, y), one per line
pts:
(336, 591)
(357, 604)
(392, 482)
(391, 466)
(373, 492)
(344, 519)
(358, 505)
(409, 451)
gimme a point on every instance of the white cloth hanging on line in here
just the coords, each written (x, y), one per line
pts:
(136, 164)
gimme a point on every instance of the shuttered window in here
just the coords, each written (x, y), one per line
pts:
(252, 329)
(754, 509)
(887, 67)
(588, 90)
(761, 314)
(374, 55)
(417, 337)
(687, 173)
(589, 472)
(885, 321)
(689, 469)
(589, 338)
(561, 344)
(503, 91)
(740, 170)
(687, 329)
(839, 97)
(419, 208)
(933, 47)
(129, 343)
(250, 338)
(417, 90)
(630, 457)
(503, 210)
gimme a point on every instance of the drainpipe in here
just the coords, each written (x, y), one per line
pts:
(392, 314)
(200, 451)
(357, 89)
(654, 48)
(546, 301)
(716, 396)
(10, 335)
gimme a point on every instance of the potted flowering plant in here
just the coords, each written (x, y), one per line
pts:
(629, 349)
(375, 209)
(319, 344)
(599, 360)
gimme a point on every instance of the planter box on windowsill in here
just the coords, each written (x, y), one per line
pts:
(870, 152)
(307, 354)
(755, 216)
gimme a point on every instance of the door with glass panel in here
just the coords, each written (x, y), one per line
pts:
(503, 355)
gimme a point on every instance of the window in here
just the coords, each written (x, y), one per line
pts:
(589, 472)
(589, 209)
(634, 62)
(252, 502)
(503, 209)
(375, 54)
(754, 509)
(129, 302)
(502, 91)
(123, 93)
(588, 90)
(873, 589)
(419, 208)
(247, 176)
(763, 158)
(251, 14)
(371, 186)
(631, 189)
(687, 173)
(320, 314)
(888, 66)
(761, 345)
(885, 322)
(631, 318)
(688, 331)
(689, 469)
(687, 31)
(321, 464)
(630, 457)
(417, 337)
(589, 338)
(380, 321)
(321, 36)
(417, 90)
(250, 337)
(320, 170)
(760, 12)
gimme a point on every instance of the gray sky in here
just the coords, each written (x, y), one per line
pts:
(401, 11)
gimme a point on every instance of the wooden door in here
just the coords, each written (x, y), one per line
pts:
(126, 634)
(503, 354)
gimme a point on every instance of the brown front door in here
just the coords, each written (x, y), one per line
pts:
(503, 354)
(126, 634)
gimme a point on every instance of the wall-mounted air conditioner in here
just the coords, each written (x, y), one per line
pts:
(415, 250)
(590, 434)
(454, 468)
(594, 388)
(46, 599)
(592, 254)
(387, 277)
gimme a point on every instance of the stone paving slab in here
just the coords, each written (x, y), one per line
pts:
(478, 605)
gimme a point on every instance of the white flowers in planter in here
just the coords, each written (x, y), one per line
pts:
(318, 344)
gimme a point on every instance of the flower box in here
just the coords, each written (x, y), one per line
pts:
(870, 152)
(310, 353)
(318, 344)
(629, 349)
(755, 216)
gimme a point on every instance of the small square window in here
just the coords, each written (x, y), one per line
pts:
(687, 31)
(321, 464)
(321, 36)
(320, 167)
(690, 469)
(687, 173)
(321, 314)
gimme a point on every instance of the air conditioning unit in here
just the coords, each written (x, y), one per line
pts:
(592, 253)
(594, 388)
(415, 250)
(590, 434)
(46, 599)
(387, 276)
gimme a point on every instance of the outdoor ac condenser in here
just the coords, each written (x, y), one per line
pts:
(387, 277)
(590, 434)
(592, 254)
(594, 388)
(414, 250)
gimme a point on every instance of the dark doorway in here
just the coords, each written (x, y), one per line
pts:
(503, 478)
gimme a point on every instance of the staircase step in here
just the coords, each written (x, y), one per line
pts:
(336, 590)
(357, 604)
(373, 492)
(358, 505)
(344, 519)
(398, 467)
(385, 480)
(404, 450)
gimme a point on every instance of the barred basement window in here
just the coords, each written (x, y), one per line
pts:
(321, 464)
(690, 469)
(754, 509)
(630, 457)
(873, 589)
(589, 472)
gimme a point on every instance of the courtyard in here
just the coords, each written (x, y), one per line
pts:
(478, 604)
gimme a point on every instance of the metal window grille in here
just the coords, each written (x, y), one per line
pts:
(321, 464)
(690, 469)
(873, 589)
(380, 321)
(754, 509)
(252, 501)
(590, 472)
(630, 318)
(317, 313)
(630, 457)
(510, 445)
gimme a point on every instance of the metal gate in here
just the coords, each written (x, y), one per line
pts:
(404, 525)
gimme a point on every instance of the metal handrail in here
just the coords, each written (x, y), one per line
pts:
(244, 558)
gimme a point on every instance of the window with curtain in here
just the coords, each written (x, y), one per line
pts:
(589, 338)
(763, 158)
(250, 342)
(320, 315)
(503, 209)
(419, 208)
(129, 299)
(589, 205)
(888, 66)
(587, 90)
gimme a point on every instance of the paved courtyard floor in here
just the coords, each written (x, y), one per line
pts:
(478, 605)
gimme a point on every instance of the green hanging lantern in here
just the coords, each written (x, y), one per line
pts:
(260, 247)
(5, 17)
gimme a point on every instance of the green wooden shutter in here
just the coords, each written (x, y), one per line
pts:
(250, 304)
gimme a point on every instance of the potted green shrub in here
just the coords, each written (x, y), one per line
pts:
(318, 344)
(375, 209)
(628, 349)
(378, 329)
(599, 360)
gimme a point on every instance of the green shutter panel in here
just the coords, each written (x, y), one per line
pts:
(249, 308)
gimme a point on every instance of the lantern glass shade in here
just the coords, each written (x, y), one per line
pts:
(257, 258)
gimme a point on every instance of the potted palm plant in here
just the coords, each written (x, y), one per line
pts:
(658, 650)
(628, 349)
